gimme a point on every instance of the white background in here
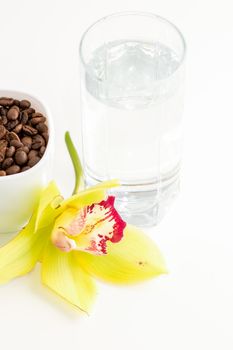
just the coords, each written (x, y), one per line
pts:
(192, 307)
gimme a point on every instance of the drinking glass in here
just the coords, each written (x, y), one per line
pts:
(132, 74)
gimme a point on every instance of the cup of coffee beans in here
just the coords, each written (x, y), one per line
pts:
(26, 138)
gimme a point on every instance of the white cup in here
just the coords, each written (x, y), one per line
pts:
(19, 193)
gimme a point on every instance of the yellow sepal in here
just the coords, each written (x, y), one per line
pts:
(20, 255)
(62, 274)
(49, 200)
(135, 258)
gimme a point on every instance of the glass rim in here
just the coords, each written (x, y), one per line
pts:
(132, 13)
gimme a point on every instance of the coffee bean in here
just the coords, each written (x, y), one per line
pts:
(3, 147)
(37, 114)
(3, 143)
(45, 136)
(42, 127)
(18, 128)
(25, 168)
(16, 103)
(14, 169)
(2, 153)
(24, 117)
(10, 136)
(4, 120)
(42, 150)
(2, 111)
(27, 141)
(2, 173)
(25, 104)
(29, 123)
(13, 113)
(2, 131)
(28, 130)
(33, 153)
(37, 120)
(36, 145)
(7, 163)
(10, 151)
(16, 143)
(30, 110)
(33, 161)
(24, 148)
(11, 124)
(5, 101)
(37, 142)
(21, 157)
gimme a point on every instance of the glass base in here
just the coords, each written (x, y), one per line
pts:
(144, 207)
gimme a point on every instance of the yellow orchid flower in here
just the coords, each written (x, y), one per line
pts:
(77, 239)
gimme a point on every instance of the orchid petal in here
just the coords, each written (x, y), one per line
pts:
(106, 184)
(89, 196)
(20, 255)
(49, 200)
(135, 258)
(62, 274)
(83, 199)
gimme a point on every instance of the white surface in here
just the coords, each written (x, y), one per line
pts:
(192, 308)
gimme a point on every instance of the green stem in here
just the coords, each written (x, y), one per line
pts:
(75, 161)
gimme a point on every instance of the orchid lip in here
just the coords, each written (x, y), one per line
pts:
(89, 228)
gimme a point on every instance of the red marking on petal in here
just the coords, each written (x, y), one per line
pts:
(112, 215)
(92, 247)
(102, 244)
(103, 223)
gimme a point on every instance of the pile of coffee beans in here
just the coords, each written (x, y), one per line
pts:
(23, 136)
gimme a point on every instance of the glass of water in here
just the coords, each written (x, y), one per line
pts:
(132, 97)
